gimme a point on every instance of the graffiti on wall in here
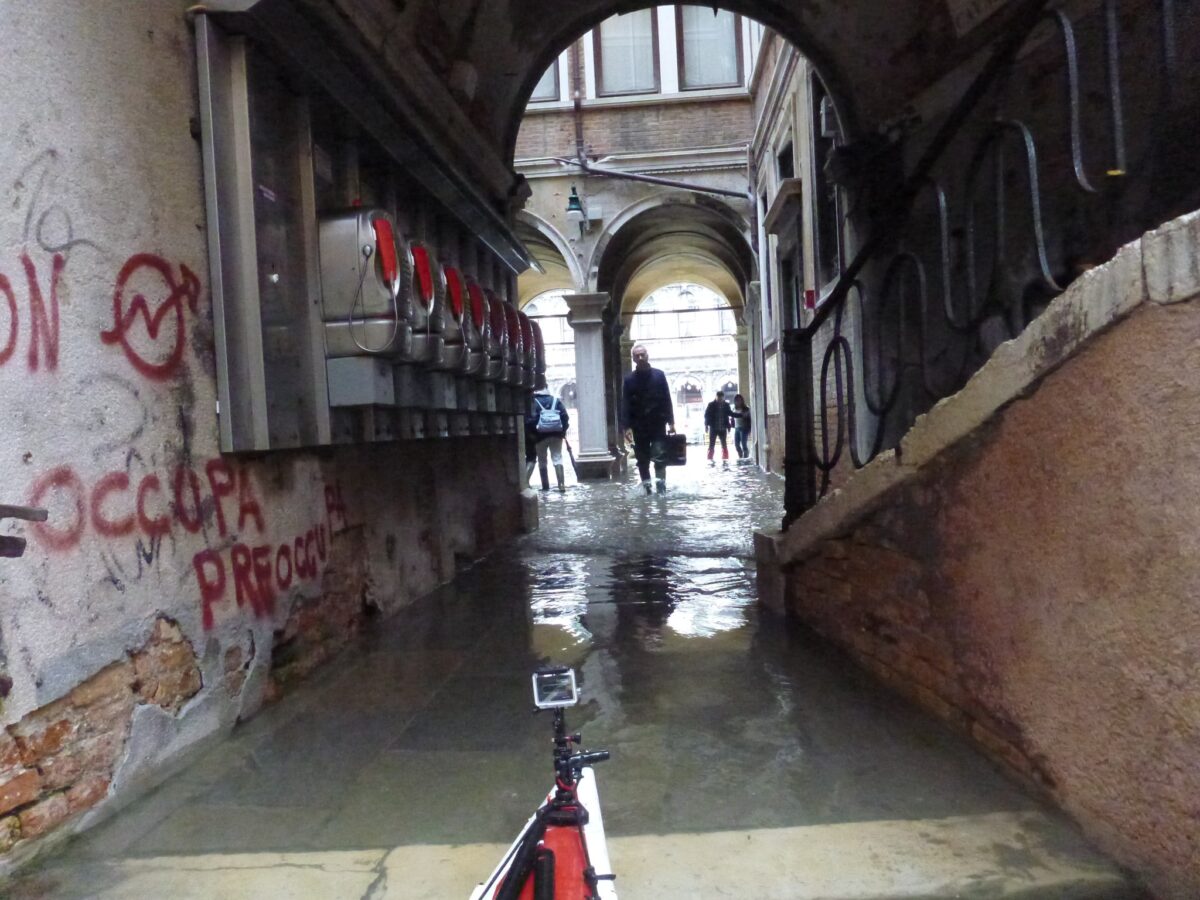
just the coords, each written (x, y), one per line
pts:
(150, 296)
(183, 502)
(41, 317)
(172, 294)
(141, 310)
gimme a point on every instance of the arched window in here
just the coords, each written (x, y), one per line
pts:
(689, 392)
(730, 388)
(568, 395)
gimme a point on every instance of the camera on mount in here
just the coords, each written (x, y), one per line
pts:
(554, 687)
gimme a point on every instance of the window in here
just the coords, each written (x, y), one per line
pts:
(710, 47)
(785, 162)
(826, 200)
(689, 392)
(627, 54)
(547, 87)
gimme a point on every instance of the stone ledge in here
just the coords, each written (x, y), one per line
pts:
(1171, 256)
(1161, 267)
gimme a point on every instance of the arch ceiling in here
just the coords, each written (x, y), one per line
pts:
(670, 242)
(557, 273)
(874, 55)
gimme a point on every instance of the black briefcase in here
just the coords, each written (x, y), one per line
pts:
(675, 449)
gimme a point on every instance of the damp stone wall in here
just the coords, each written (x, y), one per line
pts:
(173, 590)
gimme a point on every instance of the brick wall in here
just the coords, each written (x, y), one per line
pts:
(638, 128)
(59, 760)
(1034, 586)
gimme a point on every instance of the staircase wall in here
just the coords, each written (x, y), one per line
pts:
(1026, 565)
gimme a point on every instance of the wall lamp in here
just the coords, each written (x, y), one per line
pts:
(575, 211)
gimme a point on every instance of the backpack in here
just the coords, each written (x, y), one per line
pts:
(549, 419)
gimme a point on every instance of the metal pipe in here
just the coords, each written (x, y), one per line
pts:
(589, 169)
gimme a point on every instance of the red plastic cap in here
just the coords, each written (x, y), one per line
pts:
(385, 244)
(479, 305)
(455, 290)
(424, 267)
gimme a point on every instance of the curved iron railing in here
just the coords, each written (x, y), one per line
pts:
(911, 350)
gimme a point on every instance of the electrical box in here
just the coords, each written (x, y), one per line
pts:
(360, 381)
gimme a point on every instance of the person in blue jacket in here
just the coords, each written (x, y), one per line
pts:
(647, 415)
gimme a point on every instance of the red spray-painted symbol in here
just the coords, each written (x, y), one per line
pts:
(178, 291)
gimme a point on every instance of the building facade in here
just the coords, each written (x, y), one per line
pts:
(663, 95)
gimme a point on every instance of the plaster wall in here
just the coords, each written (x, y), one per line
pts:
(107, 386)
(1024, 566)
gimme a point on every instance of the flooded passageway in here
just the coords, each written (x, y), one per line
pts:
(747, 760)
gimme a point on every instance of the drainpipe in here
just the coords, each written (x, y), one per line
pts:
(589, 169)
(577, 97)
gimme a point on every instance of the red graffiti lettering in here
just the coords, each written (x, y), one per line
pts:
(248, 504)
(335, 509)
(62, 478)
(179, 291)
(284, 555)
(212, 589)
(261, 558)
(159, 525)
(111, 483)
(302, 567)
(11, 346)
(222, 483)
(192, 522)
(260, 574)
(321, 542)
(243, 576)
(40, 326)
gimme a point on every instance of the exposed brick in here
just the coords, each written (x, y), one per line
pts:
(87, 793)
(233, 658)
(165, 671)
(18, 791)
(1001, 749)
(95, 756)
(10, 755)
(10, 833)
(44, 815)
(112, 681)
(316, 630)
(38, 738)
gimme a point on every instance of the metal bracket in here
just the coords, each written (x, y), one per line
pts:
(14, 547)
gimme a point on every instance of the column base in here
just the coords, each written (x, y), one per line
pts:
(593, 466)
(529, 511)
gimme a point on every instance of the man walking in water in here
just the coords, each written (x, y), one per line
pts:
(717, 416)
(647, 415)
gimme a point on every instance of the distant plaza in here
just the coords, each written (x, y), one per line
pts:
(688, 329)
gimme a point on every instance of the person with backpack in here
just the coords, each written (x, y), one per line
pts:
(741, 428)
(548, 421)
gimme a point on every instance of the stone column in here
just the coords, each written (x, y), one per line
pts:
(586, 318)
(756, 390)
(616, 376)
(742, 338)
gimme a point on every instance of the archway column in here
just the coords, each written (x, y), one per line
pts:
(742, 338)
(614, 374)
(587, 321)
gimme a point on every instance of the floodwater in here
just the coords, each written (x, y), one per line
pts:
(748, 760)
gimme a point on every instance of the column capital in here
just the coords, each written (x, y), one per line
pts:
(586, 309)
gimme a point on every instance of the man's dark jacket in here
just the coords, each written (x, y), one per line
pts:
(718, 415)
(646, 400)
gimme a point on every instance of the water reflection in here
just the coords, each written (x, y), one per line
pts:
(707, 511)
